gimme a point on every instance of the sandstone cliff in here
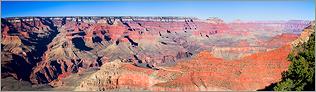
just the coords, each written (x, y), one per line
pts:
(44, 49)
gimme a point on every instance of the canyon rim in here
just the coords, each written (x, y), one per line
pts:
(153, 53)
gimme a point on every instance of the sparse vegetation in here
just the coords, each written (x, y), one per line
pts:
(301, 73)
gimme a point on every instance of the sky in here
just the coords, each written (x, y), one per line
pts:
(227, 10)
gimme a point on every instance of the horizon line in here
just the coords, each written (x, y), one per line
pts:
(168, 16)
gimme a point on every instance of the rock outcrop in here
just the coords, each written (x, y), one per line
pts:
(23, 45)
(46, 49)
(305, 35)
(203, 73)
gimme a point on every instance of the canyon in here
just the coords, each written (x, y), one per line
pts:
(147, 53)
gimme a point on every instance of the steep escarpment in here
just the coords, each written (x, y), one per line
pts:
(47, 49)
(304, 37)
(301, 69)
(23, 45)
(203, 72)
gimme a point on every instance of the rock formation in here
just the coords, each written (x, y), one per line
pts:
(162, 50)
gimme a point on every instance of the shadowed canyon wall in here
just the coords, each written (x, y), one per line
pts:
(43, 49)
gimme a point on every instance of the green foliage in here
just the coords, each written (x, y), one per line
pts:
(285, 85)
(300, 75)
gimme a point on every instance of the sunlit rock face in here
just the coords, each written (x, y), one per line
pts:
(202, 72)
(44, 49)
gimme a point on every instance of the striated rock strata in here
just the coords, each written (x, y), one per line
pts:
(46, 49)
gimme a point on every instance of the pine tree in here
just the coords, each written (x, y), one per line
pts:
(301, 73)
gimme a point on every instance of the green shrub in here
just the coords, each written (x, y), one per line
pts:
(301, 73)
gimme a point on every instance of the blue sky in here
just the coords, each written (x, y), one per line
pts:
(227, 10)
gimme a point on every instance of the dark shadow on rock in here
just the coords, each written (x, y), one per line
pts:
(131, 41)
(19, 66)
(140, 63)
(96, 39)
(80, 44)
(268, 88)
(99, 61)
(107, 37)
(117, 42)
(81, 33)
(57, 67)
(12, 30)
(63, 21)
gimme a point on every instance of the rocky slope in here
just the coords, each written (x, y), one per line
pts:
(23, 45)
(47, 49)
(203, 72)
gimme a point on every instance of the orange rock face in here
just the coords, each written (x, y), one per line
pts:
(205, 72)
(159, 53)
(202, 73)
(61, 76)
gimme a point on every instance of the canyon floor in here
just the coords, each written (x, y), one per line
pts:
(145, 53)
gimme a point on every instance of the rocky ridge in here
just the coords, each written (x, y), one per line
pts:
(203, 72)
(43, 49)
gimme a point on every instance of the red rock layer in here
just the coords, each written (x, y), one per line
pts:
(52, 47)
(205, 72)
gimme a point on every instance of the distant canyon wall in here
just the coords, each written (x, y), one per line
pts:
(42, 49)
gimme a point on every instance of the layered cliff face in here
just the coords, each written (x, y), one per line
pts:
(45, 49)
(23, 44)
(203, 72)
